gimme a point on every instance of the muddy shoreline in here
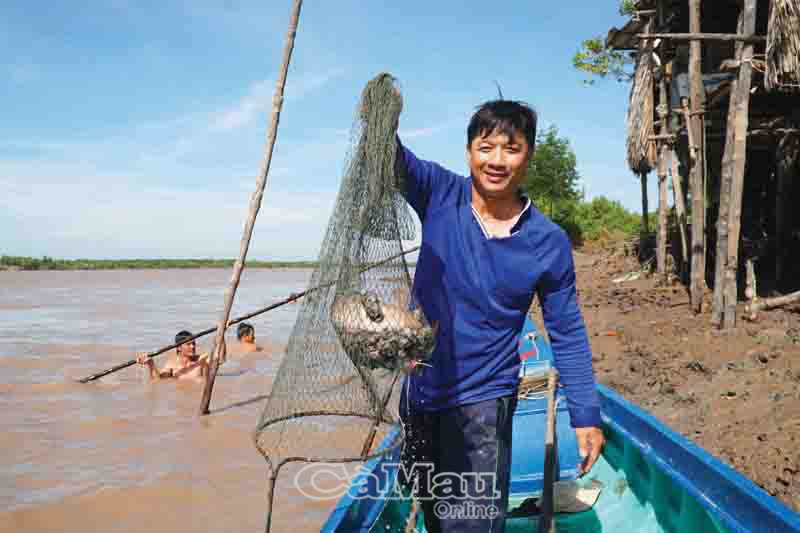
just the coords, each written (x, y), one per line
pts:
(736, 394)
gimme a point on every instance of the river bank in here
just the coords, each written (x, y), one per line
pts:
(736, 394)
(20, 263)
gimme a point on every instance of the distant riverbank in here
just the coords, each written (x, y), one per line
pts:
(48, 263)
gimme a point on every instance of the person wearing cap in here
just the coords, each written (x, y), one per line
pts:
(185, 365)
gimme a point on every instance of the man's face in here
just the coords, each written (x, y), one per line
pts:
(188, 350)
(498, 164)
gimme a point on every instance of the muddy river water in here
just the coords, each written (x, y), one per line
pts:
(120, 454)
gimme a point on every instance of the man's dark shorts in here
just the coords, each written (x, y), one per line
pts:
(458, 463)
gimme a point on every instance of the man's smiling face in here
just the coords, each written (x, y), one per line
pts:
(498, 164)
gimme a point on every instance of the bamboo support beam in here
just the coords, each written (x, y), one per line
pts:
(699, 36)
(787, 155)
(751, 290)
(742, 99)
(689, 118)
(645, 229)
(721, 260)
(255, 205)
(694, 130)
(662, 137)
(771, 303)
(680, 211)
(661, 244)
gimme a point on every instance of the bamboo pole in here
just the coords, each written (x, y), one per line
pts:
(411, 521)
(688, 118)
(203, 333)
(742, 99)
(546, 522)
(645, 230)
(680, 209)
(780, 215)
(718, 306)
(771, 303)
(661, 247)
(699, 36)
(693, 128)
(786, 156)
(255, 205)
(751, 290)
(291, 298)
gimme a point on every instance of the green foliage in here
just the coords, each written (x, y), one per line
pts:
(552, 179)
(48, 263)
(552, 183)
(627, 7)
(602, 216)
(596, 59)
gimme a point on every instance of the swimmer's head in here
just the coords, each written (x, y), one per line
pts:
(188, 349)
(245, 332)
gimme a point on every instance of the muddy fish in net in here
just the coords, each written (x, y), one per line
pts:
(381, 335)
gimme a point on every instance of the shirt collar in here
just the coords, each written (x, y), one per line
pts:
(523, 215)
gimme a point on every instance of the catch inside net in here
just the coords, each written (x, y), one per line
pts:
(359, 329)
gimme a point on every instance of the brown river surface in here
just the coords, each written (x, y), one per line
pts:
(123, 455)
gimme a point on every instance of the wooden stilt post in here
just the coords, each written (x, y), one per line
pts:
(751, 290)
(697, 101)
(661, 247)
(742, 99)
(781, 176)
(645, 230)
(718, 306)
(255, 204)
(680, 210)
(787, 155)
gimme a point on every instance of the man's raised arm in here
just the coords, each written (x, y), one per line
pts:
(421, 182)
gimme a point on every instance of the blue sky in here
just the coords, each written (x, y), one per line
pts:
(136, 128)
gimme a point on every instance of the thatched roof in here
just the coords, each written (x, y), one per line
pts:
(783, 46)
(641, 150)
(625, 38)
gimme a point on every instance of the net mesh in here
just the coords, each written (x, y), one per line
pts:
(361, 329)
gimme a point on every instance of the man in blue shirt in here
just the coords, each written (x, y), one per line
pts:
(486, 251)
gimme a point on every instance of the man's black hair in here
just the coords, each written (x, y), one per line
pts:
(503, 116)
(244, 329)
(182, 336)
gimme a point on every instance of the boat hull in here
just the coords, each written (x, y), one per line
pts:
(654, 481)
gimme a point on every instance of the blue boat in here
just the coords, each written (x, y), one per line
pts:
(653, 479)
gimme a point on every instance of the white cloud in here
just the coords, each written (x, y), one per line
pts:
(424, 132)
(259, 98)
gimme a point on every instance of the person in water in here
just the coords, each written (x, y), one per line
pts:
(185, 365)
(246, 334)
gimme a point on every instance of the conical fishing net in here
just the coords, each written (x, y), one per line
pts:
(361, 329)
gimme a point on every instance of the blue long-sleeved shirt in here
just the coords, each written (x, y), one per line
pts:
(479, 289)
